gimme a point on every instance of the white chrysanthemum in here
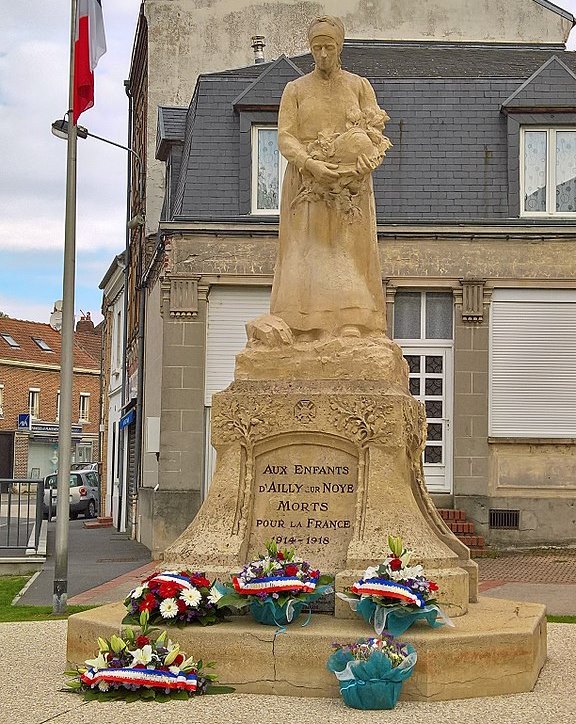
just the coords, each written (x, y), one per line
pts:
(103, 685)
(169, 608)
(191, 597)
(137, 592)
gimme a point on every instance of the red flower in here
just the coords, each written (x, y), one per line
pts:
(395, 564)
(178, 660)
(433, 586)
(168, 590)
(314, 574)
(280, 556)
(291, 569)
(181, 605)
(200, 581)
(142, 641)
(148, 603)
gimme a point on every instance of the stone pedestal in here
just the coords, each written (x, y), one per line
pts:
(498, 648)
(329, 463)
(320, 447)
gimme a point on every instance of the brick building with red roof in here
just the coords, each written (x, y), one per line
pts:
(29, 386)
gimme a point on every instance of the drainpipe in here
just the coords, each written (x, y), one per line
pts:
(139, 401)
(122, 433)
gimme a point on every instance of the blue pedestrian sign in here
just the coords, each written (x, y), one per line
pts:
(24, 421)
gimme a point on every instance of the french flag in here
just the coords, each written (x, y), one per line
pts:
(89, 47)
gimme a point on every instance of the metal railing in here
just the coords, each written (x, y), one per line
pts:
(21, 504)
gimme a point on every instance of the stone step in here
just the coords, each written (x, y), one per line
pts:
(463, 529)
(101, 522)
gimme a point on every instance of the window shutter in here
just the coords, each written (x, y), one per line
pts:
(533, 364)
(229, 308)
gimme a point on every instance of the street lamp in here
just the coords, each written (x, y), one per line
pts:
(61, 128)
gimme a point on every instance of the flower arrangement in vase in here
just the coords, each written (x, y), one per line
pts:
(142, 666)
(175, 597)
(371, 672)
(394, 594)
(276, 587)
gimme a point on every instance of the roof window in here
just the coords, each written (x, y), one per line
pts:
(42, 344)
(9, 339)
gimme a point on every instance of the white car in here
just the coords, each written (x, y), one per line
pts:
(84, 494)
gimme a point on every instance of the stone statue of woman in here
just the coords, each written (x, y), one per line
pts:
(328, 280)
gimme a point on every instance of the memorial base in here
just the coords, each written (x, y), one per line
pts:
(498, 648)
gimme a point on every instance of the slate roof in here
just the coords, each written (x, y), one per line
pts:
(28, 350)
(449, 161)
(386, 59)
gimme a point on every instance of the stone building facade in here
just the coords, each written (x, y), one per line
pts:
(471, 241)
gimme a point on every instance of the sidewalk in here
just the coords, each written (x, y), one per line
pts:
(102, 563)
(542, 575)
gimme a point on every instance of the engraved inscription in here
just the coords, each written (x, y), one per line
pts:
(305, 497)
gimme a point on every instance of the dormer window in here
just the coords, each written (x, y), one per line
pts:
(9, 339)
(268, 168)
(548, 171)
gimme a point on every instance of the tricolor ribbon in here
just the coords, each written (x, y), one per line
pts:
(274, 584)
(181, 581)
(388, 589)
(141, 677)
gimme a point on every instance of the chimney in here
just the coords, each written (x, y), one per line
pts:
(258, 46)
(85, 323)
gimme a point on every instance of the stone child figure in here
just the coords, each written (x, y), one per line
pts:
(328, 279)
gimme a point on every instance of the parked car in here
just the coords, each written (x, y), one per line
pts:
(84, 494)
(85, 466)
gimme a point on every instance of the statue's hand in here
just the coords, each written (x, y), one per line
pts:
(323, 172)
(365, 164)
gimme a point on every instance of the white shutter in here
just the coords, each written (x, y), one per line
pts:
(533, 363)
(229, 308)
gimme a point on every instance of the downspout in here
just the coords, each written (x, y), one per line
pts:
(102, 503)
(123, 432)
(139, 400)
(143, 286)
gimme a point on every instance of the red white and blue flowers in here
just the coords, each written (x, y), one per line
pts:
(179, 597)
(394, 594)
(140, 666)
(275, 586)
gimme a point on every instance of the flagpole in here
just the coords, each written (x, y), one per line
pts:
(67, 348)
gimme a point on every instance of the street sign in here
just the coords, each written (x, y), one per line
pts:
(24, 421)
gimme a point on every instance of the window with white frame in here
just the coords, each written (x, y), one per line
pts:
(548, 171)
(423, 315)
(268, 168)
(1, 401)
(84, 410)
(532, 372)
(34, 402)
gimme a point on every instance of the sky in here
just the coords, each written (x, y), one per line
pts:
(34, 57)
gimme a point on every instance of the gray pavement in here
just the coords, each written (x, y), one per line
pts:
(32, 682)
(95, 557)
(542, 575)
